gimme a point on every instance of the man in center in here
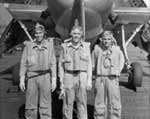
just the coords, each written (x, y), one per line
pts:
(75, 72)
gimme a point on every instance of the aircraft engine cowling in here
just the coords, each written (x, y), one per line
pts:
(65, 11)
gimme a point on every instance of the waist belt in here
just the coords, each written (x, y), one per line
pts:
(106, 75)
(41, 71)
(73, 71)
(32, 74)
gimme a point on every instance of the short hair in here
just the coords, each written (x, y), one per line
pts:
(108, 34)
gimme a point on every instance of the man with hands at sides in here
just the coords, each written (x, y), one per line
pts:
(108, 61)
(38, 65)
(75, 72)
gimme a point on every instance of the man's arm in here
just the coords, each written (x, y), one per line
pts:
(89, 71)
(23, 64)
(94, 58)
(61, 68)
(52, 58)
(23, 69)
(61, 73)
(53, 62)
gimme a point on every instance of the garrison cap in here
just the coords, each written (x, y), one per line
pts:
(39, 26)
(76, 26)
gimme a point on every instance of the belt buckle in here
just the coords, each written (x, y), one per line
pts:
(76, 72)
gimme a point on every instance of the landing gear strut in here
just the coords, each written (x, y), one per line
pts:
(134, 69)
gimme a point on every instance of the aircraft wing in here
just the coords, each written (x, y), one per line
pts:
(9, 12)
(132, 15)
(25, 12)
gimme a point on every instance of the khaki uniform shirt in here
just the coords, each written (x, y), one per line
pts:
(107, 62)
(38, 57)
(75, 59)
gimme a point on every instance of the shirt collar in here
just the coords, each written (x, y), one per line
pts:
(71, 45)
(42, 46)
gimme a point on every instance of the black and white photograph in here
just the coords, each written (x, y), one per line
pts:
(74, 59)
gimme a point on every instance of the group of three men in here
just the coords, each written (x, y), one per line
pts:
(76, 63)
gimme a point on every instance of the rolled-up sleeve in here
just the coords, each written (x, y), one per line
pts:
(23, 63)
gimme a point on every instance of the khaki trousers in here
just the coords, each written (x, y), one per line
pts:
(38, 93)
(75, 90)
(107, 98)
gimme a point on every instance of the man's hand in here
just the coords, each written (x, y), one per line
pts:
(22, 84)
(62, 94)
(89, 85)
(53, 84)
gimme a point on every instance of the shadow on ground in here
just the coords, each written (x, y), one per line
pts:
(127, 85)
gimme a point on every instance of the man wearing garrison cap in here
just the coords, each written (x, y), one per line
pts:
(38, 65)
(75, 72)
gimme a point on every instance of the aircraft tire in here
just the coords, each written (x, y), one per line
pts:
(15, 74)
(136, 74)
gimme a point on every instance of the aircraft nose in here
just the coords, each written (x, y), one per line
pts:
(96, 13)
(93, 24)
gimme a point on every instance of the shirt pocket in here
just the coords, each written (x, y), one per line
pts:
(84, 62)
(67, 58)
(84, 57)
(32, 59)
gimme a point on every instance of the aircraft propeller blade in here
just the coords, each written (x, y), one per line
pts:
(93, 21)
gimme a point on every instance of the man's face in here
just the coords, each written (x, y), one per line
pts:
(39, 34)
(107, 42)
(76, 35)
